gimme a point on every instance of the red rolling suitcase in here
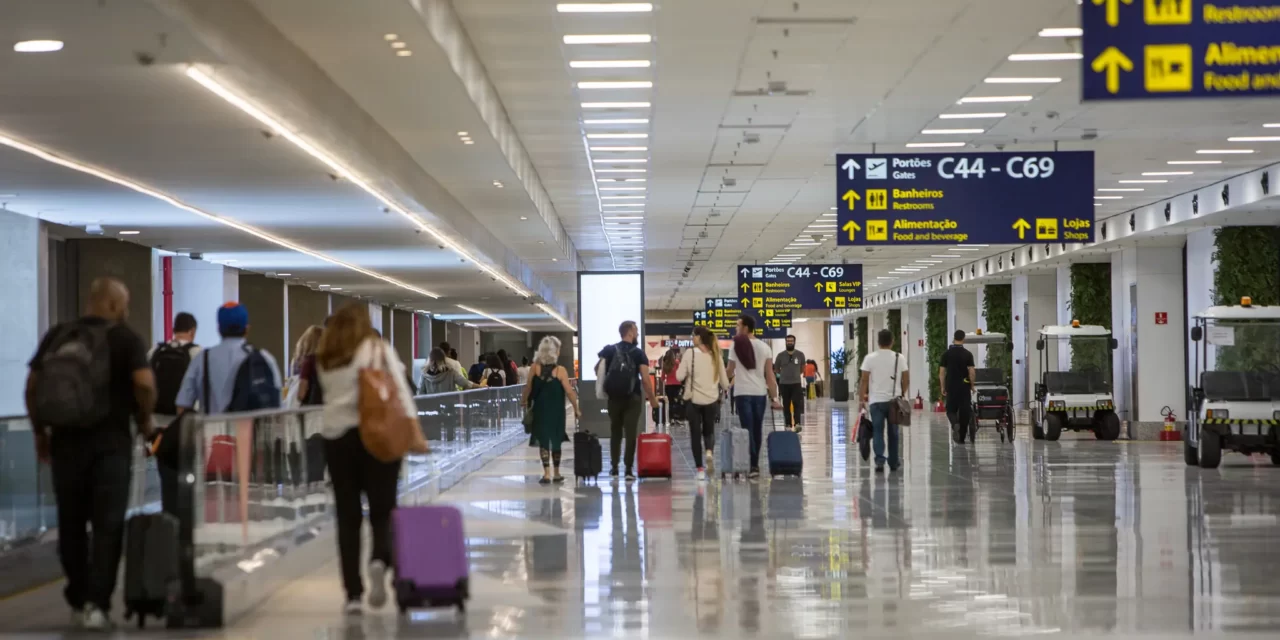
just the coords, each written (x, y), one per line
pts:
(430, 557)
(653, 452)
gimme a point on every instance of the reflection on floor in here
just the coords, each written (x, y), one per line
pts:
(1078, 537)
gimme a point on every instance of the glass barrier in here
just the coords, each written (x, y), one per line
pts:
(26, 488)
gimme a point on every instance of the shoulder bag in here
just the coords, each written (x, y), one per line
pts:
(386, 431)
(899, 407)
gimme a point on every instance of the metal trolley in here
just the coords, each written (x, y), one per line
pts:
(1079, 399)
(1236, 406)
(992, 401)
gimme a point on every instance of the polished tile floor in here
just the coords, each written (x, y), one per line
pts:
(1078, 538)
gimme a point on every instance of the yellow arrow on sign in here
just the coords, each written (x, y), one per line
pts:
(852, 227)
(1112, 61)
(851, 197)
(1113, 11)
(1022, 226)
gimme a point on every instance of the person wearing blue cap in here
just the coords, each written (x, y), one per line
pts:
(231, 367)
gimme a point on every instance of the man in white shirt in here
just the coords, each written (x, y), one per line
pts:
(884, 374)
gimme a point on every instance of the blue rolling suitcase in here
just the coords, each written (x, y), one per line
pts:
(785, 458)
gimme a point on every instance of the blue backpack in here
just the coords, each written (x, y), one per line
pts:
(255, 386)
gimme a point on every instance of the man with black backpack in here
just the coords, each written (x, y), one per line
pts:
(170, 360)
(233, 376)
(626, 378)
(87, 379)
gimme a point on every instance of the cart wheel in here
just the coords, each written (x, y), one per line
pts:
(1037, 432)
(1210, 450)
(1191, 456)
(1053, 427)
(1275, 457)
(1107, 427)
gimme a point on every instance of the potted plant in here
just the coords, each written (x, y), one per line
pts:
(839, 385)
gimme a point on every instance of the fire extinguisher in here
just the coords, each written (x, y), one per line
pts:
(919, 403)
(1170, 433)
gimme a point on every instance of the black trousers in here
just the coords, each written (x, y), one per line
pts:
(702, 427)
(792, 401)
(354, 471)
(91, 474)
(624, 424)
(959, 408)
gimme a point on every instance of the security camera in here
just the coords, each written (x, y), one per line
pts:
(143, 58)
(196, 255)
(999, 147)
(1089, 134)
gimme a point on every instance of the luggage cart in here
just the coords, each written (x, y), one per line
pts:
(992, 401)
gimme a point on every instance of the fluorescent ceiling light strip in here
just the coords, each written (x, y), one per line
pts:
(624, 218)
(972, 116)
(611, 38)
(1022, 80)
(615, 84)
(943, 255)
(987, 99)
(619, 148)
(1271, 125)
(1035, 57)
(493, 318)
(234, 224)
(622, 198)
(1133, 189)
(927, 145)
(1194, 162)
(624, 204)
(604, 7)
(616, 121)
(619, 161)
(1143, 181)
(622, 170)
(1168, 173)
(616, 136)
(622, 188)
(609, 64)
(1254, 139)
(1061, 32)
(257, 114)
(1107, 197)
(615, 105)
(1223, 151)
(950, 132)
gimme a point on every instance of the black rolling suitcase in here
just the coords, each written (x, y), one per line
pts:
(151, 565)
(588, 457)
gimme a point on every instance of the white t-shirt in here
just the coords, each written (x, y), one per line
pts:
(883, 387)
(750, 382)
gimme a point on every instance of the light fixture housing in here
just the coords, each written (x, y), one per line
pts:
(928, 145)
(615, 105)
(38, 46)
(604, 7)
(609, 64)
(1017, 80)
(619, 84)
(614, 38)
(993, 99)
(1061, 32)
(1041, 57)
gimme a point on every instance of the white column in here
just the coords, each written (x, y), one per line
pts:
(1035, 301)
(1122, 275)
(914, 348)
(962, 312)
(980, 353)
(1064, 313)
(1200, 270)
(1161, 375)
(199, 288)
(20, 252)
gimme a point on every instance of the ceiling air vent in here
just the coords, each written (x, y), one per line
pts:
(750, 138)
(793, 22)
(730, 182)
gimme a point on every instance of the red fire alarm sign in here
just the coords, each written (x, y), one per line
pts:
(1162, 317)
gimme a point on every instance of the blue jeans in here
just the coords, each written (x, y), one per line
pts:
(751, 413)
(879, 421)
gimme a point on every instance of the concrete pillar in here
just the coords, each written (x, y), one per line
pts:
(20, 240)
(468, 345)
(1035, 302)
(914, 348)
(131, 264)
(402, 334)
(425, 339)
(1151, 366)
(1200, 269)
(962, 312)
(1064, 315)
(264, 299)
(304, 308)
(199, 288)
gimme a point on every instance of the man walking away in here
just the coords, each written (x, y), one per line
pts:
(626, 378)
(86, 380)
(955, 378)
(790, 367)
(169, 362)
(883, 374)
(233, 376)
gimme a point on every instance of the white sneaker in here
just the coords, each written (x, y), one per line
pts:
(702, 475)
(709, 458)
(377, 584)
(352, 608)
(94, 619)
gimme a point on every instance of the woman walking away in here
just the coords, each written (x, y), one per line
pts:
(303, 387)
(494, 374)
(705, 380)
(751, 367)
(544, 395)
(671, 384)
(348, 345)
(441, 377)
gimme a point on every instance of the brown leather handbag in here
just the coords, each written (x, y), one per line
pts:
(899, 407)
(387, 433)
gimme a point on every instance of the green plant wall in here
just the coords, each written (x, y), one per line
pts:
(863, 340)
(935, 339)
(1091, 304)
(894, 326)
(1248, 260)
(997, 308)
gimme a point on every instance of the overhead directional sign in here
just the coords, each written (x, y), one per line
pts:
(721, 316)
(964, 198)
(800, 286)
(1180, 48)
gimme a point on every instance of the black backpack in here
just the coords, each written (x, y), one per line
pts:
(495, 379)
(255, 386)
(73, 388)
(169, 363)
(621, 376)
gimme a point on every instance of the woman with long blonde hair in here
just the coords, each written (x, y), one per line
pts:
(547, 388)
(702, 372)
(348, 345)
(302, 369)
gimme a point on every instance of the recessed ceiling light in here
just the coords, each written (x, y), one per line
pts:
(130, 233)
(943, 255)
(617, 121)
(498, 184)
(1254, 139)
(616, 136)
(627, 84)
(283, 275)
(604, 7)
(1168, 173)
(619, 38)
(390, 37)
(524, 217)
(928, 262)
(630, 180)
(619, 161)
(555, 259)
(1208, 152)
(463, 134)
(1062, 32)
(1022, 80)
(37, 46)
(1143, 181)
(624, 218)
(982, 99)
(609, 64)
(615, 105)
(962, 249)
(398, 45)
(1034, 57)
(621, 170)
(971, 116)
(950, 132)
(926, 145)
(1194, 162)
(622, 188)
(468, 141)
(619, 148)
(1108, 197)
(404, 53)
(1136, 189)
(622, 197)
(335, 288)
(633, 204)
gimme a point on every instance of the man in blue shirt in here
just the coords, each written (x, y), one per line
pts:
(625, 411)
(224, 362)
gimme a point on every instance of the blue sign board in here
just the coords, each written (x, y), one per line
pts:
(721, 317)
(964, 198)
(1180, 48)
(800, 286)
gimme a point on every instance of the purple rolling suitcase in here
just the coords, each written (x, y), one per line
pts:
(430, 557)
